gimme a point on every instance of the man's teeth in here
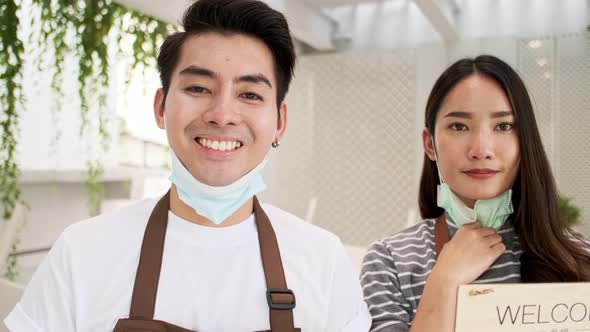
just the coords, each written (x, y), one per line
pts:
(220, 145)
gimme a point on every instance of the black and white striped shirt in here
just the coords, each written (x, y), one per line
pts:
(395, 270)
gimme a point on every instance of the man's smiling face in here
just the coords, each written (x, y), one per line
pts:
(220, 113)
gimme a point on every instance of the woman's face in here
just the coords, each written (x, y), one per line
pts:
(475, 139)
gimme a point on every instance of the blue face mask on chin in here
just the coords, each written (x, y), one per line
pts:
(215, 203)
(491, 212)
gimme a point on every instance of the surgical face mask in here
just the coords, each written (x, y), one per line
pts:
(491, 212)
(215, 203)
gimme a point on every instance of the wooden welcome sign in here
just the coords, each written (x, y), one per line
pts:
(558, 307)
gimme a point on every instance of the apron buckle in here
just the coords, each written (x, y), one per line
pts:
(280, 298)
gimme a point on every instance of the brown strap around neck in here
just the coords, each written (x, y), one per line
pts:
(441, 233)
(281, 300)
(143, 301)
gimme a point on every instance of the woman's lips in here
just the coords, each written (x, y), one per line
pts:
(481, 173)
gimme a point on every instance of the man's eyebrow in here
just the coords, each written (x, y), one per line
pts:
(253, 78)
(198, 71)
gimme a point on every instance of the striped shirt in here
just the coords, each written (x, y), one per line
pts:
(395, 270)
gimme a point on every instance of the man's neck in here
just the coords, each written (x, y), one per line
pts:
(185, 212)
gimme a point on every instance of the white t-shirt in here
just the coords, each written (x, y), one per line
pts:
(211, 279)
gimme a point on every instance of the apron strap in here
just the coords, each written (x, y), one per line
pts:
(281, 300)
(143, 301)
(441, 233)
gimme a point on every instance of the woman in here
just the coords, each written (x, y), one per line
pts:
(487, 185)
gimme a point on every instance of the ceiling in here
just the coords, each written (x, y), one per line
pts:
(323, 25)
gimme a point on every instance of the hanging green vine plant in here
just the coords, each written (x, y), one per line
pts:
(53, 23)
(94, 187)
(11, 66)
(92, 22)
(93, 27)
(12, 263)
(147, 33)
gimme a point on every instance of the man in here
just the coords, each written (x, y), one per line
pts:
(206, 256)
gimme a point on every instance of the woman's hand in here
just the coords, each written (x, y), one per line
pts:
(471, 251)
(462, 260)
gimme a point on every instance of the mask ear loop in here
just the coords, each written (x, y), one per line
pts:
(436, 160)
(438, 169)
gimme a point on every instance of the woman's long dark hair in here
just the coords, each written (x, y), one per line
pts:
(552, 252)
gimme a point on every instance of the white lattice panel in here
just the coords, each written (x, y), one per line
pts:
(574, 125)
(556, 71)
(350, 146)
(536, 65)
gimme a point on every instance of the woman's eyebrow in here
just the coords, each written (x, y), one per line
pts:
(468, 115)
(501, 114)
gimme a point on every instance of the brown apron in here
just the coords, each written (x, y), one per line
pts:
(441, 233)
(281, 300)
